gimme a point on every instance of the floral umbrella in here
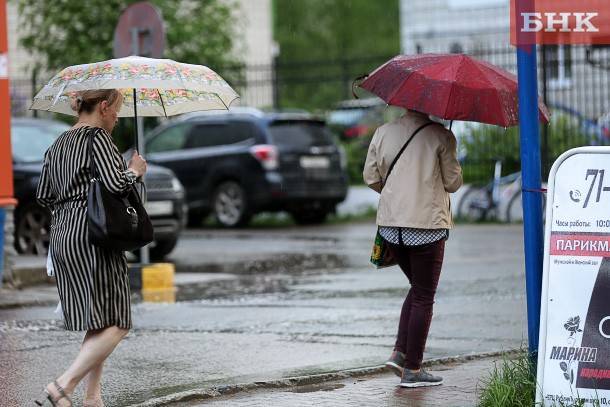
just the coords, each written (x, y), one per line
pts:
(162, 87)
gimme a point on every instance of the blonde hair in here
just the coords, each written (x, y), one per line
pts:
(85, 101)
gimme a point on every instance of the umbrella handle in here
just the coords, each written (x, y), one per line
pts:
(360, 78)
(135, 118)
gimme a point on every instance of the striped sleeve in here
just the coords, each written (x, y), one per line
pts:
(44, 194)
(110, 164)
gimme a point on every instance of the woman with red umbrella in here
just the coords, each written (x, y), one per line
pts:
(414, 214)
(414, 218)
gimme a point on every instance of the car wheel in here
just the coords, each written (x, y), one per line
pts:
(231, 205)
(514, 210)
(311, 217)
(162, 248)
(32, 229)
(474, 205)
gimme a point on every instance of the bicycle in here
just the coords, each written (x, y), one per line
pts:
(482, 203)
(487, 202)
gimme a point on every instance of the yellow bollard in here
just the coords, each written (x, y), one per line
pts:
(158, 283)
(159, 295)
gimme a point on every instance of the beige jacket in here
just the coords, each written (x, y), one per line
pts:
(417, 192)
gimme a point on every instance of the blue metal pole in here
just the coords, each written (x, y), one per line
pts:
(531, 181)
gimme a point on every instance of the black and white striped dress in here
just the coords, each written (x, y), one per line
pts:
(93, 283)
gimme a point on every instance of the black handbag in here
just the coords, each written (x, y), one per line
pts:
(116, 222)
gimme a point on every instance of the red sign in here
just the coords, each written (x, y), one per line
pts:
(6, 160)
(580, 244)
(560, 22)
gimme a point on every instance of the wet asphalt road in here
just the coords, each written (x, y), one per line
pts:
(290, 301)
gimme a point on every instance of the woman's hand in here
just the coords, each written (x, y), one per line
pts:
(137, 164)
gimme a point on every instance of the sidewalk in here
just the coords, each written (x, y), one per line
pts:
(462, 384)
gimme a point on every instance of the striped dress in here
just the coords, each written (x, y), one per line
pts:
(93, 283)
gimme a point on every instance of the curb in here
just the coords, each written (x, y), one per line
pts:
(218, 391)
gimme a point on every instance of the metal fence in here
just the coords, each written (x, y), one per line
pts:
(573, 80)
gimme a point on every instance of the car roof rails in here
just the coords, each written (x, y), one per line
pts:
(237, 110)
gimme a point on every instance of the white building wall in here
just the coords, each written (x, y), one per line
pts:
(256, 26)
(436, 24)
(20, 64)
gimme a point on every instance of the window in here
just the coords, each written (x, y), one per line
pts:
(300, 134)
(29, 142)
(558, 65)
(171, 139)
(220, 134)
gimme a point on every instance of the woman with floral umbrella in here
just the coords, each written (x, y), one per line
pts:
(93, 281)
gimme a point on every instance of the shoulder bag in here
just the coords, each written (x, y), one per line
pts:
(116, 221)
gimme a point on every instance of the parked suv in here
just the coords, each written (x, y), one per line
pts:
(241, 162)
(355, 118)
(30, 138)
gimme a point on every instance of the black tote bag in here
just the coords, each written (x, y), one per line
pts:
(116, 222)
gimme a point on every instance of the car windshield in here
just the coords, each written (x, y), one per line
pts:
(346, 117)
(300, 134)
(30, 141)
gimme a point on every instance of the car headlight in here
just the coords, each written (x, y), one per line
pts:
(176, 185)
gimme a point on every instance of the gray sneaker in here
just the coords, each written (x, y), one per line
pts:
(419, 379)
(396, 363)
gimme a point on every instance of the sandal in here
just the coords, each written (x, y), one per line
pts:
(50, 399)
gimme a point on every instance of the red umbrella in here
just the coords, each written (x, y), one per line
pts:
(450, 86)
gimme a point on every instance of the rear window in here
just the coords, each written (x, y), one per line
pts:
(30, 142)
(300, 134)
(346, 117)
(220, 134)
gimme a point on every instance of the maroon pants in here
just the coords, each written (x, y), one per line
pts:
(422, 266)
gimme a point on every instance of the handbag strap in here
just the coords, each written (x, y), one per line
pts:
(92, 166)
(404, 147)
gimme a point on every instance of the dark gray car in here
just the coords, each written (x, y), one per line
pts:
(239, 163)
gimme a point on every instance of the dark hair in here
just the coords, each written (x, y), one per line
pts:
(86, 100)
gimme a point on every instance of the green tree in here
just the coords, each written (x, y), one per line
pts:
(68, 32)
(325, 44)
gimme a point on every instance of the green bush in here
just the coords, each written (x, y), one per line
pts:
(355, 151)
(484, 144)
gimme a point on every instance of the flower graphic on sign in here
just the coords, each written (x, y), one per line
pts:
(573, 325)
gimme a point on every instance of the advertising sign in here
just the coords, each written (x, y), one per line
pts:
(574, 352)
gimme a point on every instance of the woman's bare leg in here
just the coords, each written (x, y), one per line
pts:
(97, 346)
(93, 392)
